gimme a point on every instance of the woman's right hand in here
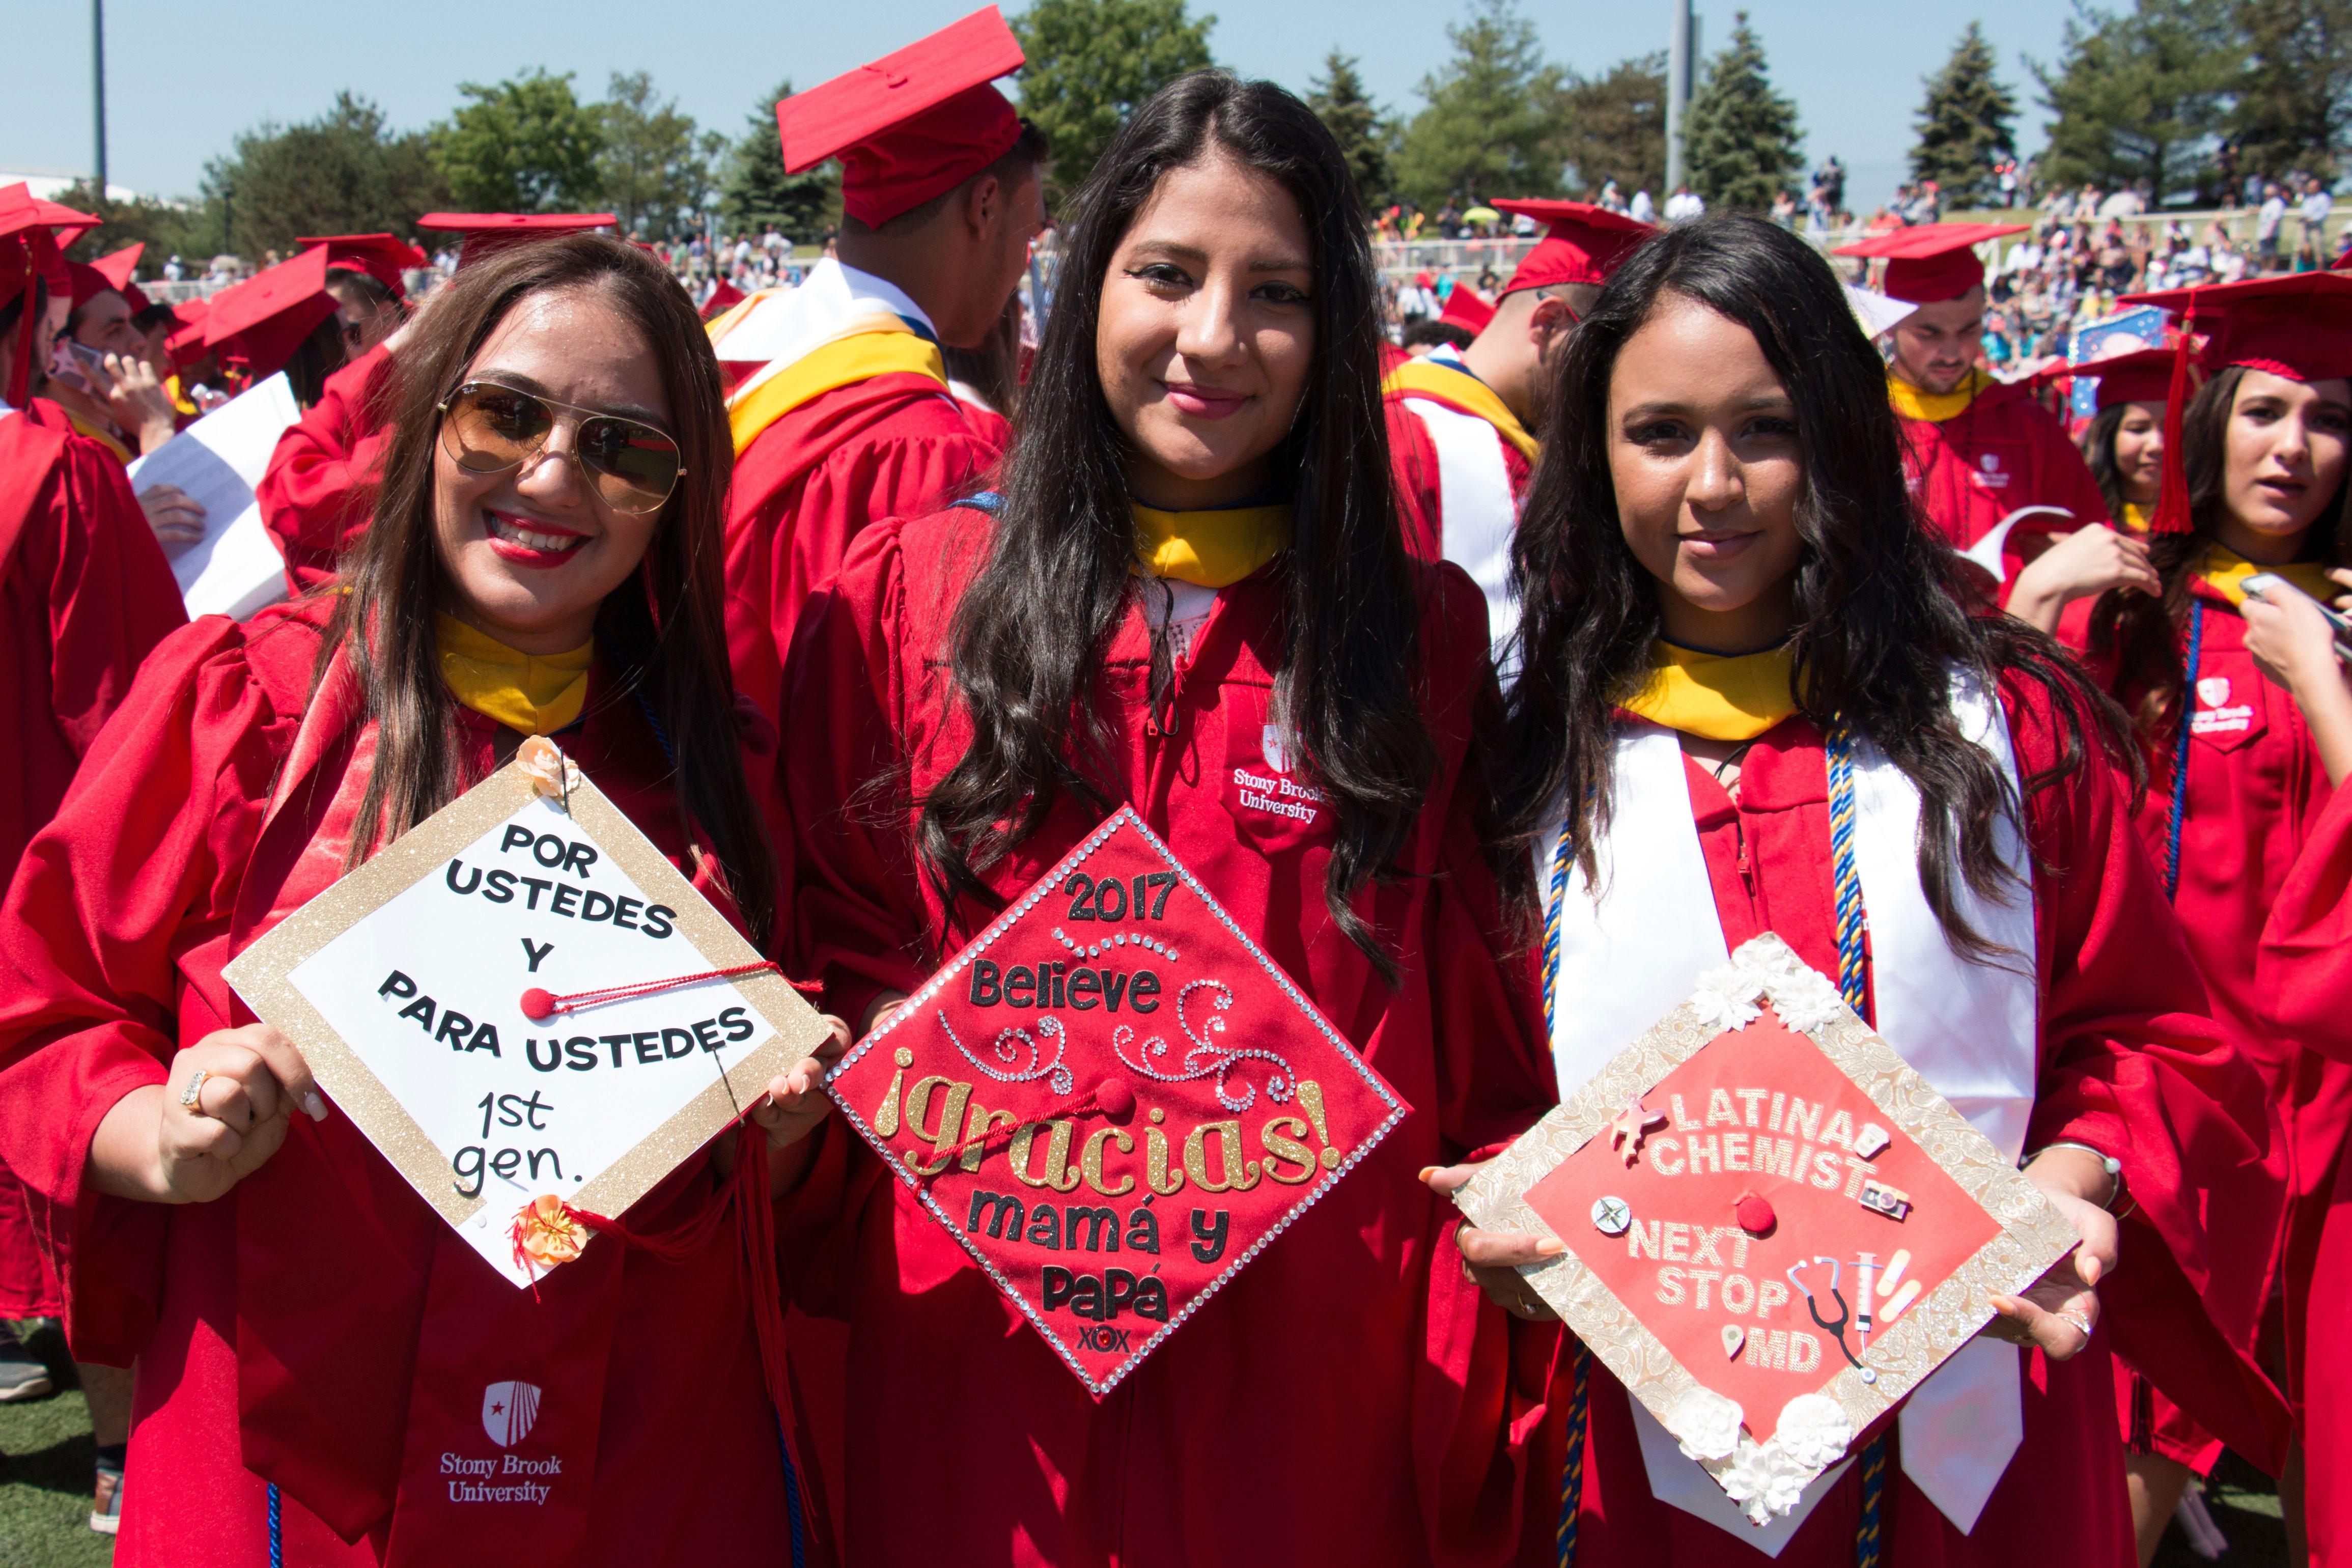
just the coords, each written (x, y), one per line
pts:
(154, 1147)
(2080, 565)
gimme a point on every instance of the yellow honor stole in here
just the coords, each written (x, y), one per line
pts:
(1213, 549)
(2135, 519)
(2225, 571)
(1716, 697)
(1448, 383)
(535, 693)
(866, 347)
(1935, 408)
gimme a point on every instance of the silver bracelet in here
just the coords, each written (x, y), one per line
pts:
(2113, 1166)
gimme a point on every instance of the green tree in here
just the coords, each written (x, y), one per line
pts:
(1091, 62)
(1740, 136)
(652, 164)
(343, 173)
(2138, 97)
(1356, 122)
(525, 144)
(190, 230)
(1966, 124)
(757, 192)
(2293, 100)
(1615, 127)
(1492, 123)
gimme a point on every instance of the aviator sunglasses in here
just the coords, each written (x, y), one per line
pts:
(487, 428)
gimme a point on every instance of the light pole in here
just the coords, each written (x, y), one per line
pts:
(1679, 48)
(98, 91)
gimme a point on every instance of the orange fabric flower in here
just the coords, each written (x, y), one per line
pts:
(546, 1233)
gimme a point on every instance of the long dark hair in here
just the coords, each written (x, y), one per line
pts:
(2143, 630)
(1029, 634)
(396, 580)
(1880, 626)
(2099, 453)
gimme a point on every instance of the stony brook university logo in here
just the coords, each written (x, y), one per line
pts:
(509, 1410)
(2213, 690)
(1274, 747)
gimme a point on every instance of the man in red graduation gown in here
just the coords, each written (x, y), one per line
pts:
(1462, 423)
(1980, 450)
(320, 488)
(847, 418)
(85, 593)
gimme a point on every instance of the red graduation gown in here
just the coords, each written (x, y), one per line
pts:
(1412, 457)
(85, 593)
(1348, 1397)
(291, 1330)
(2255, 787)
(2002, 452)
(2129, 1062)
(320, 490)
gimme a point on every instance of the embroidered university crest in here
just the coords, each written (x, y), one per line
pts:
(1272, 746)
(2213, 690)
(508, 1409)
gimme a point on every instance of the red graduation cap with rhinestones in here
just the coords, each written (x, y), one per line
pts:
(912, 125)
(29, 249)
(2299, 326)
(382, 257)
(260, 323)
(1932, 262)
(1582, 243)
(487, 234)
(1113, 1100)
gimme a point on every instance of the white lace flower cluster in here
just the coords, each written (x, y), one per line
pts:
(1765, 1479)
(1805, 998)
(1725, 998)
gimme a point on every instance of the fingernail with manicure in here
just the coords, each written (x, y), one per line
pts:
(1551, 1247)
(315, 1106)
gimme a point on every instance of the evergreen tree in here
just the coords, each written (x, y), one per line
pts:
(1740, 136)
(1091, 62)
(1966, 125)
(2138, 97)
(804, 207)
(1363, 133)
(1616, 127)
(1493, 123)
(2293, 100)
(525, 144)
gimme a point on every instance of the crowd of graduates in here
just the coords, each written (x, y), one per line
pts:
(1580, 624)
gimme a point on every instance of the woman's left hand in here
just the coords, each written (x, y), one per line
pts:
(2059, 1311)
(1491, 1258)
(796, 1101)
(2290, 639)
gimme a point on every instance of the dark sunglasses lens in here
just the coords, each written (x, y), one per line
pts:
(495, 427)
(636, 466)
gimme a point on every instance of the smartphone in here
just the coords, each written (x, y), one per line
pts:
(2261, 582)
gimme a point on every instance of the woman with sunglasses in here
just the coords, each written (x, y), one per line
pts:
(314, 1342)
(1738, 630)
(1193, 576)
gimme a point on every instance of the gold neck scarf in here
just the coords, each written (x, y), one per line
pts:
(1716, 697)
(2135, 519)
(537, 694)
(1935, 408)
(2225, 571)
(1213, 549)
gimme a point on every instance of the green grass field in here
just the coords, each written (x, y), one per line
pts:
(46, 1456)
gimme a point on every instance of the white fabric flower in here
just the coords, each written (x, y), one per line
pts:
(1763, 1480)
(1814, 1431)
(1706, 1423)
(1725, 998)
(1806, 1000)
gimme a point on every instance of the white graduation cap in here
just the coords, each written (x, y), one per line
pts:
(1878, 313)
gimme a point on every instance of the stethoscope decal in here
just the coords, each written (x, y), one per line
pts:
(1836, 1330)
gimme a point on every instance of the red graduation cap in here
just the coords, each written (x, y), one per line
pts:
(262, 320)
(724, 298)
(1467, 308)
(1582, 242)
(1934, 261)
(911, 125)
(29, 249)
(382, 257)
(117, 267)
(485, 233)
(186, 345)
(2140, 376)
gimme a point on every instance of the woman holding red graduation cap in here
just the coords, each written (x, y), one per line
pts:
(312, 1340)
(1738, 628)
(1196, 551)
(2242, 767)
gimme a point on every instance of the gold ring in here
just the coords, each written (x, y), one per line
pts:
(196, 1087)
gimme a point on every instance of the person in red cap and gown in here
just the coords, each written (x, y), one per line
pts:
(319, 486)
(1463, 424)
(85, 594)
(2242, 768)
(1978, 450)
(847, 418)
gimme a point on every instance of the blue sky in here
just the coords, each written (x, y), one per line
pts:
(184, 79)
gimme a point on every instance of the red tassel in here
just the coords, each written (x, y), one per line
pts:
(2172, 494)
